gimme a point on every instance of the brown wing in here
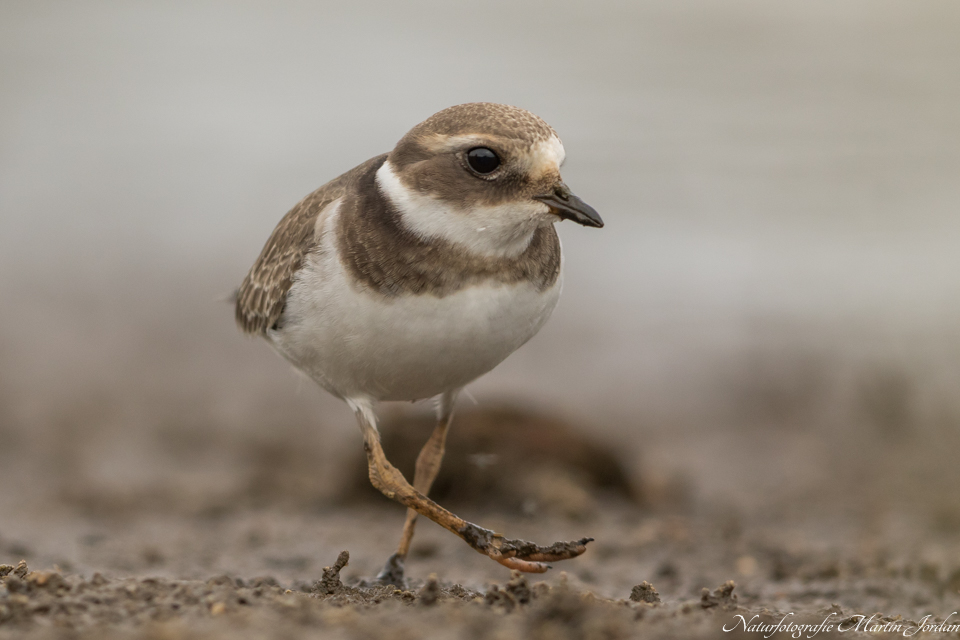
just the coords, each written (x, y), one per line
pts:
(263, 294)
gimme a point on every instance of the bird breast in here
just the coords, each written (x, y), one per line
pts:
(355, 341)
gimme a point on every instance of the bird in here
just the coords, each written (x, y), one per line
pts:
(412, 275)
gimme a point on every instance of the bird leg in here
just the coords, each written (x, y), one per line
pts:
(428, 465)
(514, 554)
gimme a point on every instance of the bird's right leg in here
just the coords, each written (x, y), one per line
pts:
(514, 554)
(428, 465)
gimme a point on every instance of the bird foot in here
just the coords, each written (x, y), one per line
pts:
(521, 555)
(392, 572)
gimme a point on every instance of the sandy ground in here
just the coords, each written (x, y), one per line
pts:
(254, 561)
(261, 574)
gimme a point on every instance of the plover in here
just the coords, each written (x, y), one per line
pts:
(415, 273)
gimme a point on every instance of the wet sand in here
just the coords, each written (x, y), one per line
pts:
(250, 555)
(264, 574)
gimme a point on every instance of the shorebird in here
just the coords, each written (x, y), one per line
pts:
(415, 273)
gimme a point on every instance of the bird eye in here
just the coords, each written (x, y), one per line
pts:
(483, 160)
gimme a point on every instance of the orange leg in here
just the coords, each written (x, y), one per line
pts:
(514, 554)
(428, 465)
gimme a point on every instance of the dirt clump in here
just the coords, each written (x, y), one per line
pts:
(330, 582)
(429, 593)
(723, 596)
(644, 592)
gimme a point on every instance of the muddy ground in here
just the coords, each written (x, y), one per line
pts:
(677, 565)
(255, 561)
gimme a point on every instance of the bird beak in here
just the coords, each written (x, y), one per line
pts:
(566, 205)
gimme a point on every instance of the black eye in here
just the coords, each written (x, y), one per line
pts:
(483, 160)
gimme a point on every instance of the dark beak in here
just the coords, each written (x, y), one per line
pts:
(566, 205)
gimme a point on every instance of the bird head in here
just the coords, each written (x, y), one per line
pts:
(482, 175)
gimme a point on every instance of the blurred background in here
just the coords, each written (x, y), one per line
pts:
(769, 318)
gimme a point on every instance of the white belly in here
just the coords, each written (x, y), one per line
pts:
(358, 343)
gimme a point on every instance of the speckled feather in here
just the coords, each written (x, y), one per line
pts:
(263, 294)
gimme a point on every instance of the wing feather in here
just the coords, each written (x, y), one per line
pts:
(262, 296)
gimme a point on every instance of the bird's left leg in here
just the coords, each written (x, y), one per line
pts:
(428, 465)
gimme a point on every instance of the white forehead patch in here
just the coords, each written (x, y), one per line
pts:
(551, 150)
(546, 156)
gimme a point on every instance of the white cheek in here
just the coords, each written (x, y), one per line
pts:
(503, 230)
